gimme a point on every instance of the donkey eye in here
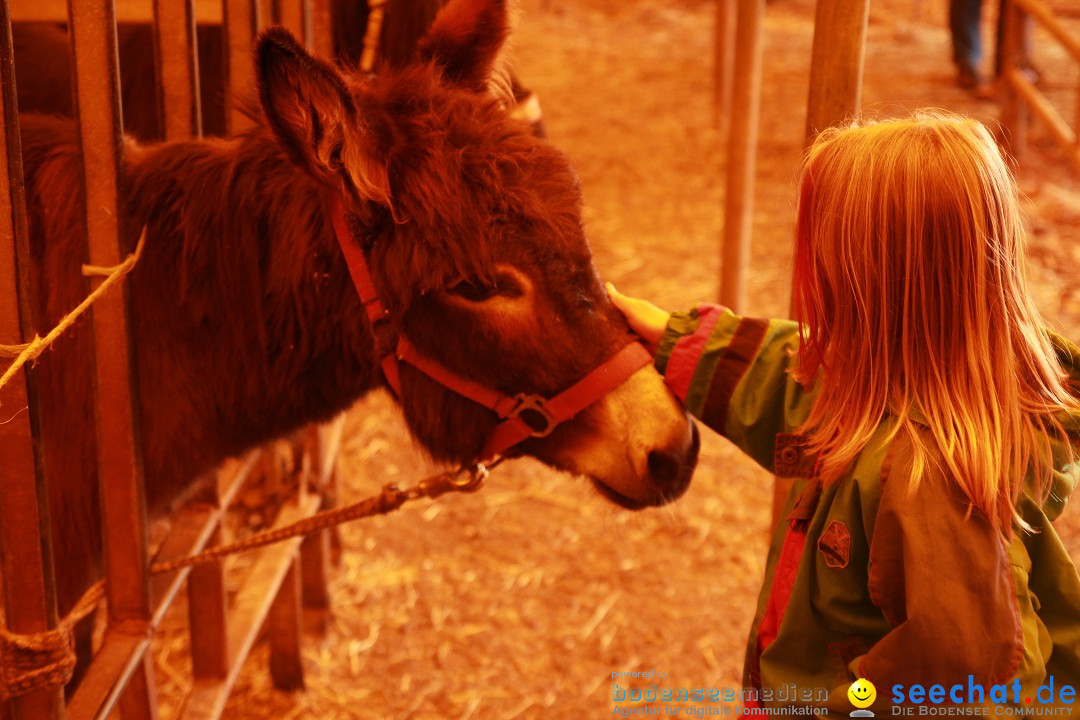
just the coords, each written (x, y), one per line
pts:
(478, 291)
(474, 290)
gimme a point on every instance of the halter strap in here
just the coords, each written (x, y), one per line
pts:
(377, 314)
(523, 415)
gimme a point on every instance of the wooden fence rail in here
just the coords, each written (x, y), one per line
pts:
(1022, 97)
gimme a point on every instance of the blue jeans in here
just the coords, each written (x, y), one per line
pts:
(964, 17)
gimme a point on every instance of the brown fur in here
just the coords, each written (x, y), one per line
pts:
(246, 324)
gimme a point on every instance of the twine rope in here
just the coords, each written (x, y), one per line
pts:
(35, 660)
(27, 352)
(29, 661)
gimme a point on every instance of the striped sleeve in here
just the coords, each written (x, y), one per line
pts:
(732, 374)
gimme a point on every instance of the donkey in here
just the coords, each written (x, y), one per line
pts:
(246, 324)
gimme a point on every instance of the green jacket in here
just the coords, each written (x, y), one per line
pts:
(864, 579)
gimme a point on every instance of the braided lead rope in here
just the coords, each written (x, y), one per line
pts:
(36, 660)
(390, 499)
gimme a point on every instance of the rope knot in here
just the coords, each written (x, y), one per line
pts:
(32, 661)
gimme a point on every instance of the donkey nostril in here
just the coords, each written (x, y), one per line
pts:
(670, 470)
(664, 467)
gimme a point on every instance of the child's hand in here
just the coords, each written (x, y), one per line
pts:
(646, 319)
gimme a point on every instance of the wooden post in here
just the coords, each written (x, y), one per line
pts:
(97, 104)
(742, 154)
(836, 67)
(284, 629)
(836, 71)
(723, 58)
(208, 615)
(25, 546)
(1014, 114)
(322, 444)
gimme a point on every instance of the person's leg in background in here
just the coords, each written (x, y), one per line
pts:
(964, 25)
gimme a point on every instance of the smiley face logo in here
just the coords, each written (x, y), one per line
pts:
(862, 693)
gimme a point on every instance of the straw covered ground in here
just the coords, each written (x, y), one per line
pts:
(521, 601)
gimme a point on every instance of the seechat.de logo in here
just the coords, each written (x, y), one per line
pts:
(862, 695)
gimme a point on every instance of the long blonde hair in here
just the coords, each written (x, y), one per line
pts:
(909, 281)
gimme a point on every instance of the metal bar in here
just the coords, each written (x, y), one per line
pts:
(296, 16)
(139, 696)
(93, 32)
(249, 611)
(120, 656)
(742, 154)
(29, 591)
(97, 108)
(242, 23)
(176, 60)
(207, 12)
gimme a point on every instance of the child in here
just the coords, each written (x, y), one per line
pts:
(929, 419)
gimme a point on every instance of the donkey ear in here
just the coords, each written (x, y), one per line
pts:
(312, 113)
(465, 40)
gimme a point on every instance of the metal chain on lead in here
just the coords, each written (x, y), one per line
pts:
(392, 497)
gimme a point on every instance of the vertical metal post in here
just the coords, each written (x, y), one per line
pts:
(25, 545)
(242, 23)
(296, 15)
(176, 59)
(742, 154)
(723, 59)
(322, 34)
(97, 104)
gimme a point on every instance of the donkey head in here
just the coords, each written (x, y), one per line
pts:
(472, 230)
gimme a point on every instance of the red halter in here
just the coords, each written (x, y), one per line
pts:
(523, 416)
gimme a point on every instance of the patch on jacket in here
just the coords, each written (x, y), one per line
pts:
(835, 545)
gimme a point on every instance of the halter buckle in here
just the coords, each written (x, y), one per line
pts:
(532, 409)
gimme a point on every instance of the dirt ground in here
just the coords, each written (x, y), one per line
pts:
(521, 601)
